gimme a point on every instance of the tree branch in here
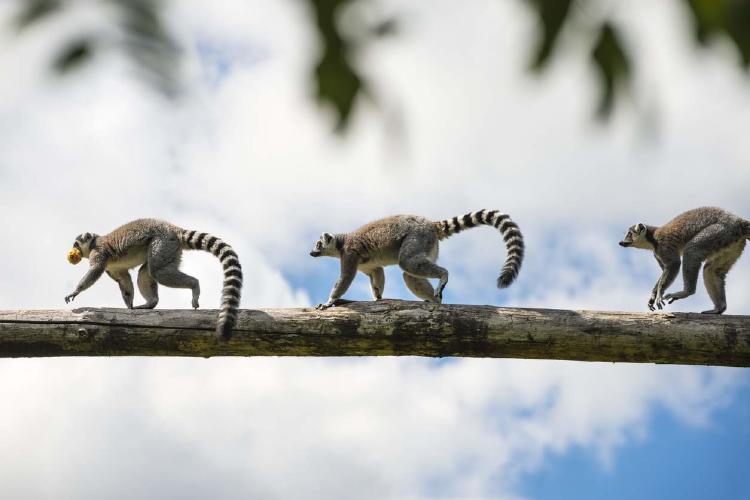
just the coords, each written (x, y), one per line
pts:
(385, 328)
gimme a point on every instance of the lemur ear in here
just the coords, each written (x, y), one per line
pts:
(327, 237)
(640, 227)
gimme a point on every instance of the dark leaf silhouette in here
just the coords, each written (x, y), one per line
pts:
(337, 82)
(613, 65)
(552, 15)
(35, 10)
(149, 44)
(713, 18)
(75, 54)
(144, 38)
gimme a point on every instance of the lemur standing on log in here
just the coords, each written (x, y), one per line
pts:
(705, 234)
(157, 246)
(412, 243)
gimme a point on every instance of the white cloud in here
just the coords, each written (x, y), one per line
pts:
(287, 428)
(247, 155)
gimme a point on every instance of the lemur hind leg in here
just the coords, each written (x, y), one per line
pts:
(715, 287)
(377, 282)
(125, 283)
(148, 288)
(163, 266)
(715, 273)
(703, 244)
(417, 250)
(420, 287)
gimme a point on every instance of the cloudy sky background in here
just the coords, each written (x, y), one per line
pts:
(247, 155)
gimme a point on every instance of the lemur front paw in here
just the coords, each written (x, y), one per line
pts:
(70, 297)
(326, 305)
(657, 301)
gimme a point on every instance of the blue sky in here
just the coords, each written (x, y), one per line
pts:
(247, 155)
(673, 461)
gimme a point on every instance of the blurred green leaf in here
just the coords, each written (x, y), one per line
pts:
(552, 15)
(149, 43)
(74, 54)
(35, 10)
(389, 27)
(337, 82)
(738, 28)
(145, 39)
(707, 17)
(612, 62)
(141, 18)
(731, 18)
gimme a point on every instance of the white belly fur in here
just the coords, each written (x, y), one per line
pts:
(134, 257)
(379, 261)
(386, 259)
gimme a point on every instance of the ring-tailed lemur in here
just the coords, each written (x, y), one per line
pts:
(412, 243)
(705, 234)
(157, 246)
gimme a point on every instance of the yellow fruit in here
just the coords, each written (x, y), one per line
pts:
(74, 256)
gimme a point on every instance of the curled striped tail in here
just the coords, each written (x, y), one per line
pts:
(501, 222)
(230, 293)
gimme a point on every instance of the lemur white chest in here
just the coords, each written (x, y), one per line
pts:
(134, 257)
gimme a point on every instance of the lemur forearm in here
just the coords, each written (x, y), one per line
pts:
(94, 273)
(668, 275)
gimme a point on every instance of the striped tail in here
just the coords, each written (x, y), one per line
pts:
(230, 294)
(508, 228)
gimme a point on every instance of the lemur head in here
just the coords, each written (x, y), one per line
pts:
(637, 237)
(84, 243)
(325, 246)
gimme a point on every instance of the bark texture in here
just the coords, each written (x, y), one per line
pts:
(385, 328)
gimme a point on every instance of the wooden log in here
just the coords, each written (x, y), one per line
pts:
(385, 328)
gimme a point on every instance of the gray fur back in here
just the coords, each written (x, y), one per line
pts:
(688, 224)
(136, 233)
